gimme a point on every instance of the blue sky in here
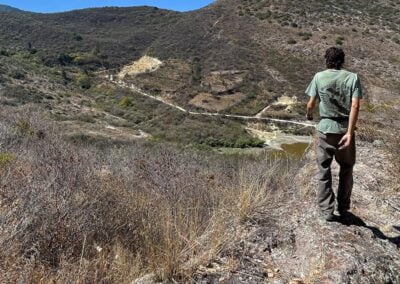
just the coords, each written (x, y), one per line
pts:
(47, 6)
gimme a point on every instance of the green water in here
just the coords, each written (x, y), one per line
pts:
(294, 150)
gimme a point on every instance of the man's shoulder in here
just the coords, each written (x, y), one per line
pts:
(349, 73)
(342, 72)
(318, 75)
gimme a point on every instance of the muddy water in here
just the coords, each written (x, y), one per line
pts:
(296, 149)
(293, 150)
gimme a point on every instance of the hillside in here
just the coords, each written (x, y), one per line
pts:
(146, 145)
(251, 58)
(271, 44)
(5, 8)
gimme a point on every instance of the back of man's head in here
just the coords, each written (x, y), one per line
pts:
(334, 58)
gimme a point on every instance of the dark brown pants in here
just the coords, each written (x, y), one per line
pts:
(327, 148)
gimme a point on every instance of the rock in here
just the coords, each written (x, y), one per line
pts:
(147, 279)
(378, 143)
(278, 281)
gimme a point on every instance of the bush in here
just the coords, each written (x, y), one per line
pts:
(5, 159)
(77, 37)
(4, 52)
(291, 41)
(64, 59)
(340, 40)
(263, 15)
(86, 59)
(17, 74)
(83, 81)
(24, 129)
(125, 102)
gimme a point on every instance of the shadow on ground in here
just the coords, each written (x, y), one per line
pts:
(352, 220)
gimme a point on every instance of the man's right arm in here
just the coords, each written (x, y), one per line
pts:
(310, 108)
(312, 92)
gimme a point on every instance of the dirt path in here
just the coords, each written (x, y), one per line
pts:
(260, 114)
(244, 117)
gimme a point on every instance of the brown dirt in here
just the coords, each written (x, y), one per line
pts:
(216, 103)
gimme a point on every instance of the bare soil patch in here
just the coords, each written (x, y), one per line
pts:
(216, 103)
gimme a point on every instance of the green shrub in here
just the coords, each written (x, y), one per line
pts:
(305, 35)
(77, 37)
(4, 52)
(196, 70)
(291, 41)
(24, 128)
(340, 40)
(264, 15)
(369, 107)
(241, 142)
(83, 81)
(86, 118)
(17, 74)
(64, 59)
(125, 102)
(85, 58)
(5, 159)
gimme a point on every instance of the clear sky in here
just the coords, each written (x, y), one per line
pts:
(48, 6)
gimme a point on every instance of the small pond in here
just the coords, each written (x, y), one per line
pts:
(293, 150)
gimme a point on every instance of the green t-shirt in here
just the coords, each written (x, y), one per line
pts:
(335, 90)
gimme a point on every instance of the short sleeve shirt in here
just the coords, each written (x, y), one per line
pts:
(335, 89)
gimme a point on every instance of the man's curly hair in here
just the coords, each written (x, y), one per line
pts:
(334, 58)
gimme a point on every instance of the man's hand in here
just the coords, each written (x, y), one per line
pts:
(345, 141)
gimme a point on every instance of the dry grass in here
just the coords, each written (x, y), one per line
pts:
(392, 131)
(73, 213)
(369, 131)
(382, 125)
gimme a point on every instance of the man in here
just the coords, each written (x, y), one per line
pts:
(338, 92)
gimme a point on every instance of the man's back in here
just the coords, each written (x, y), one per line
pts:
(335, 90)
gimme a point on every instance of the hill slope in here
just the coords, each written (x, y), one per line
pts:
(278, 45)
(5, 8)
(111, 203)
